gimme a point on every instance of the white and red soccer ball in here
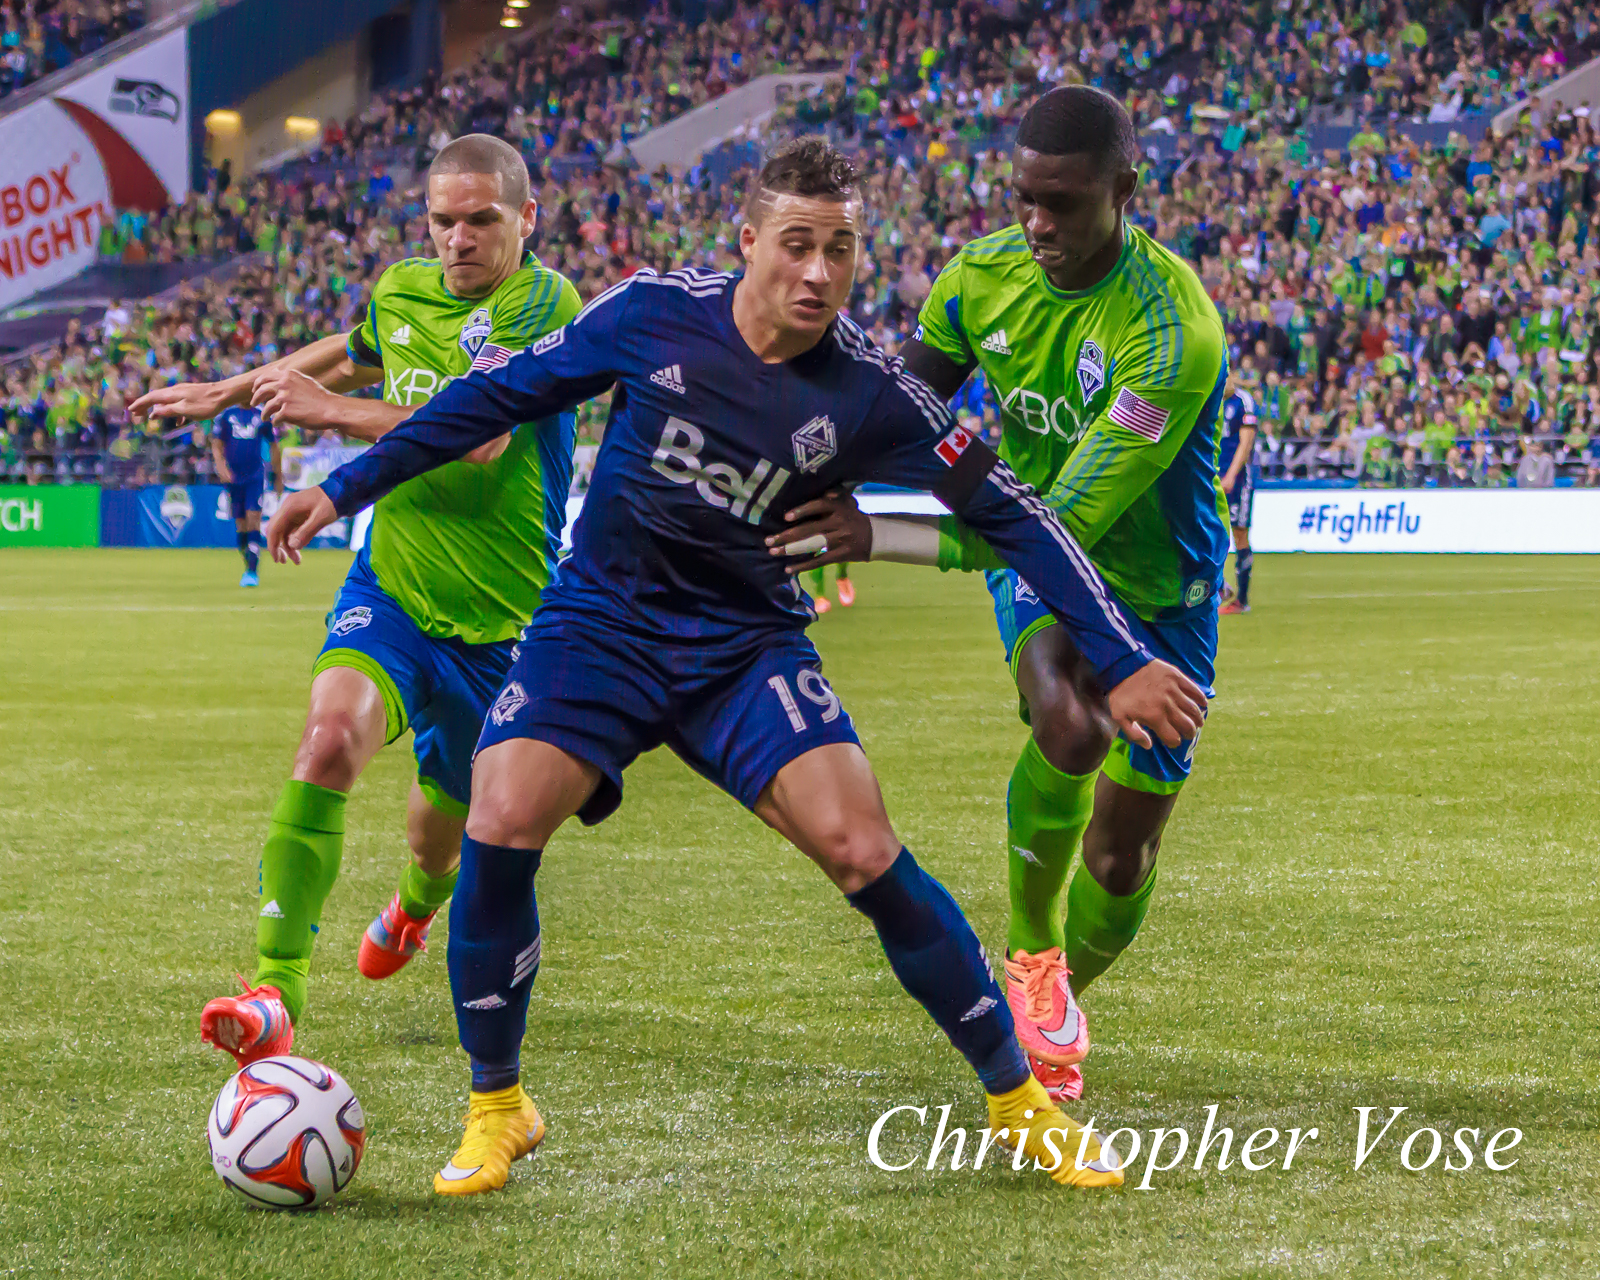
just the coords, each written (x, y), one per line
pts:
(286, 1133)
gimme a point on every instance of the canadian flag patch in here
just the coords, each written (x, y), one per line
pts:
(953, 445)
(1138, 415)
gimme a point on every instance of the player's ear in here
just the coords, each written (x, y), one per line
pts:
(1124, 185)
(530, 217)
(747, 240)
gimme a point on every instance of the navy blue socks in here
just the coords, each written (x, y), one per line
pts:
(493, 957)
(939, 960)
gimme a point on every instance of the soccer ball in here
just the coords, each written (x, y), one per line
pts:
(286, 1133)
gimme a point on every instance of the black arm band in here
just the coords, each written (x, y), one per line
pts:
(361, 353)
(971, 469)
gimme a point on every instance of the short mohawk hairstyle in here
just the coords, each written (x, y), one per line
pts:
(1077, 119)
(808, 166)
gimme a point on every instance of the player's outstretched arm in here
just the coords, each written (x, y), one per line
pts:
(967, 476)
(326, 360)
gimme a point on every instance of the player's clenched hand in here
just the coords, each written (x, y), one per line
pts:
(196, 400)
(1161, 698)
(287, 396)
(831, 529)
(301, 516)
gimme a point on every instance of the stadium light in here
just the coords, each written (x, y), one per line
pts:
(302, 126)
(510, 19)
(518, 4)
(223, 122)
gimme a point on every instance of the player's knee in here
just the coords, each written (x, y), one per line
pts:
(1073, 733)
(850, 854)
(505, 813)
(1120, 865)
(330, 752)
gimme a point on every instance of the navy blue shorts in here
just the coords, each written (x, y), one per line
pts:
(1242, 498)
(1188, 643)
(734, 715)
(245, 495)
(439, 689)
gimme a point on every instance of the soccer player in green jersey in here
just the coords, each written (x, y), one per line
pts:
(1109, 362)
(421, 635)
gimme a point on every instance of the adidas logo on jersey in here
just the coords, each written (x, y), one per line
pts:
(671, 378)
(996, 342)
(272, 911)
(401, 337)
(978, 1010)
(488, 1002)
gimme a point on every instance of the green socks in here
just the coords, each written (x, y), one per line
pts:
(421, 894)
(1047, 812)
(299, 864)
(1099, 926)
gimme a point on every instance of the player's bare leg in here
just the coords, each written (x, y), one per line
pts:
(828, 804)
(401, 928)
(522, 791)
(345, 727)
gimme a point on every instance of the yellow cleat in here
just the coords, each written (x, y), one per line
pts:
(1028, 1110)
(502, 1127)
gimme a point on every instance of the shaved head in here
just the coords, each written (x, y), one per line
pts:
(481, 153)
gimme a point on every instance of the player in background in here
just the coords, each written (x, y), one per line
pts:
(817, 584)
(670, 623)
(1108, 360)
(238, 435)
(1237, 454)
(422, 632)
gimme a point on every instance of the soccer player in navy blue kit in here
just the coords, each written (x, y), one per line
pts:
(238, 439)
(1236, 454)
(670, 623)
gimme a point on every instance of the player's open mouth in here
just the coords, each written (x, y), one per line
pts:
(812, 306)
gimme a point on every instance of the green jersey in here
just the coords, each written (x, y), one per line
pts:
(1109, 399)
(467, 549)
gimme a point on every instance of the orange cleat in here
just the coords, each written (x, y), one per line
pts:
(847, 592)
(1050, 1025)
(821, 604)
(391, 940)
(254, 1025)
(1233, 606)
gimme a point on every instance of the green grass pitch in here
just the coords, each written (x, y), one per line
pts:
(1379, 890)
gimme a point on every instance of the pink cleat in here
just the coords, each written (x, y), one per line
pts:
(1050, 1025)
(1063, 1084)
(252, 1026)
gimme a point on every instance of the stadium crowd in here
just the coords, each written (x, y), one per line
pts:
(41, 36)
(1401, 312)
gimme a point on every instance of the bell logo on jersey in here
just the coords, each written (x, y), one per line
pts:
(953, 445)
(814, 444)
(744, 497)
(476, 331)
(1091, 369)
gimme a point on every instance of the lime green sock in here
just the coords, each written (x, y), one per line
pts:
(422, 894)
(816, 582)
(299, 864)
(1046, 813)
(1099, 926)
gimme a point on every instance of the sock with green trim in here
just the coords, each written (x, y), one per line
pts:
(299, 864)
(1046, 814)
(421, 894)
(1100, 927)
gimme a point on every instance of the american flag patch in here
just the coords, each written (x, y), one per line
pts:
(1138, 415)
(491, 357)
(953, 445)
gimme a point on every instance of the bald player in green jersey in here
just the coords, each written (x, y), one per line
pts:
(1109, 362)
(422, 632)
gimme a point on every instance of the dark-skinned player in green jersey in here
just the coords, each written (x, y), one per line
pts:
(1109, 362)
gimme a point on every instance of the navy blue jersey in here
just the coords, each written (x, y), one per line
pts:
(705, 449)
(1238, 412)
(244, 434)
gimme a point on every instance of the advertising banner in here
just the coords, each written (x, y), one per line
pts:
(193, 515)
(49, 515)
(116, 138)
(1417, 520)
